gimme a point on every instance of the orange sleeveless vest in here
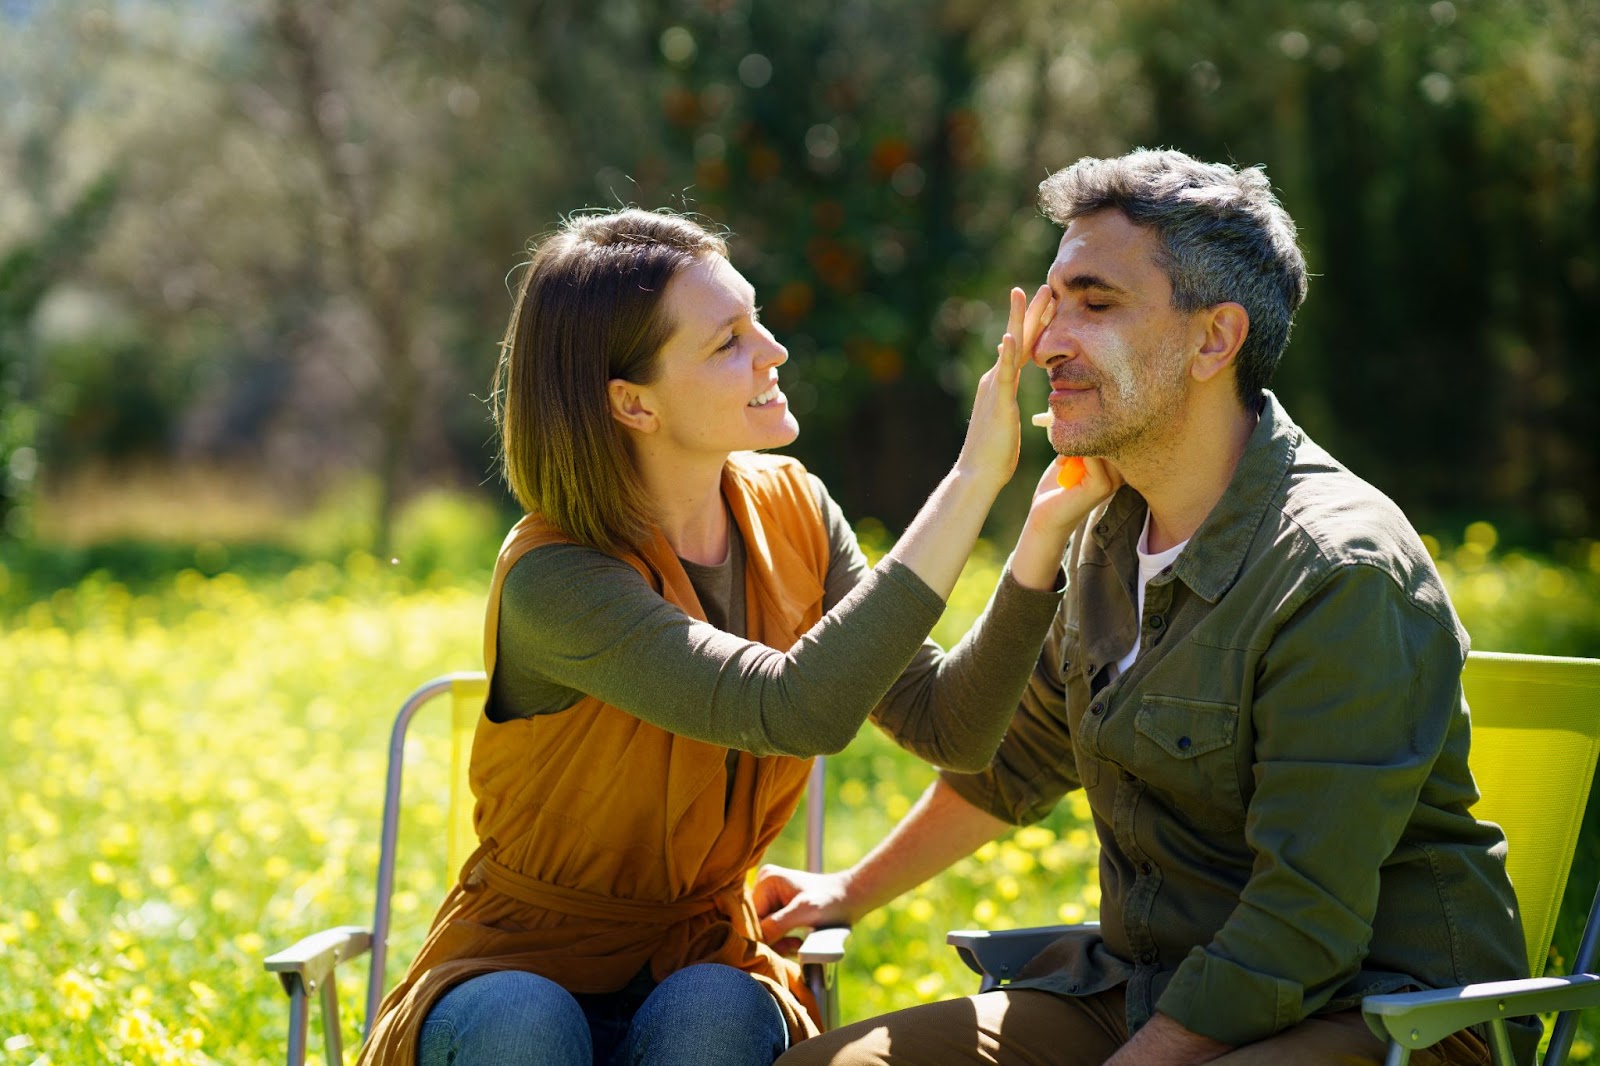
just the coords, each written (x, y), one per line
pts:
(607, 843)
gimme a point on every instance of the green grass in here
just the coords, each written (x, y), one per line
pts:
(192, 766)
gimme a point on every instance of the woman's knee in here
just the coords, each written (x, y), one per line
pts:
(708, 1006)
(506, 1017)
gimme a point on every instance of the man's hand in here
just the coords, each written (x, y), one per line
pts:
(1163, 1042)
(794, 899)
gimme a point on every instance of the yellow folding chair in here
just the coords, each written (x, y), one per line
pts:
(1535, 741)
(308, 966)
(1535, 745)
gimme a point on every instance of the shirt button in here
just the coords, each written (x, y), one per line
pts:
(1183, 743)
(1147, 957)
(1145, 867)
(1155, 621)
(1097, 708)
(1100, 529)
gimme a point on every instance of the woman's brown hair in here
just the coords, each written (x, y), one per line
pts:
(589, 309)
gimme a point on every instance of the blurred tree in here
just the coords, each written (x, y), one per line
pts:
(1442, 162)
(27, 273)
(350, 184)
(323, 202)
(880, 201)
(57, 218)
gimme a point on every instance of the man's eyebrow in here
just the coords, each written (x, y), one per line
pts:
(1082, 282)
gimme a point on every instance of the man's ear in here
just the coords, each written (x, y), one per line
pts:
(631, 406)
(1226, 325)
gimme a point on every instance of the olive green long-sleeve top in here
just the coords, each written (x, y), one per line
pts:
(575, 622)
(1279, 782)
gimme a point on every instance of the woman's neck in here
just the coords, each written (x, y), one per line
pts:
(689, 508)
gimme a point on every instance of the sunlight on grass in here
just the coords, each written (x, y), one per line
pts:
(193, 781)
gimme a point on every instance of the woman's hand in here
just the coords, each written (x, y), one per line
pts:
(1054, 514)
(994, 435)
(1056, 510)
(940, 538)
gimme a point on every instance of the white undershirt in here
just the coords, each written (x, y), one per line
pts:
(1149, 567)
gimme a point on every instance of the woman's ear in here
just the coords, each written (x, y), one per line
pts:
(631, 406)
(1226, 326)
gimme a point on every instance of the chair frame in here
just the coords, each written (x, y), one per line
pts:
(1407, 1020)
(309, 965)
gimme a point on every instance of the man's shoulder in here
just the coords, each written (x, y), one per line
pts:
(1332, 520)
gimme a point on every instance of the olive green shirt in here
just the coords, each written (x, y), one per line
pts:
(1279, 781)
(575, 621)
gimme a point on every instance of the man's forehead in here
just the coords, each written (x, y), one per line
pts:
(1105, 241)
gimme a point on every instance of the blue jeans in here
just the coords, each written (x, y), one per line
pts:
(705, 1014)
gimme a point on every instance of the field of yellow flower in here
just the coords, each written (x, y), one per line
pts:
(191, 777)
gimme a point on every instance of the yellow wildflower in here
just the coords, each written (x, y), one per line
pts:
(78, 994)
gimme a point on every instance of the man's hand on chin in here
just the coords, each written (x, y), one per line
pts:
(1163, 1042)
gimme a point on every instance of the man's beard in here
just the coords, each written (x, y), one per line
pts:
(1142, 405)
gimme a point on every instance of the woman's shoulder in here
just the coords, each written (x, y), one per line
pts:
(757, 465)
(561, 568)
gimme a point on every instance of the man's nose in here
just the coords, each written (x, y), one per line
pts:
(1056, 343)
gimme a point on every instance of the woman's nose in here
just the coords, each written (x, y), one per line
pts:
(771, 353)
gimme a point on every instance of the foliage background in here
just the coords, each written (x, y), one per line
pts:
(253, 269)
(274, 235)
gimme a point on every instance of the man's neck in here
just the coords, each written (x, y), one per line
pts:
(1182, 476)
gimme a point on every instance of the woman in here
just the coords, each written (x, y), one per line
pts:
(662, 666)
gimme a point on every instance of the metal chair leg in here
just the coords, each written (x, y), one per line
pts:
(1398, 1055)
(299, 1018)
(1566, 1026)
(332, 1037)
(823, 981)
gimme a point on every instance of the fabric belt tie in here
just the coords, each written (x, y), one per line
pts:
(606, 908)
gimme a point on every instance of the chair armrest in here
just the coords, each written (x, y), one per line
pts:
(1001, 953)
(313, 958)
(1419, 1019)
(824, 946)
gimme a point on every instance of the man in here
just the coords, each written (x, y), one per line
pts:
(1254, 674)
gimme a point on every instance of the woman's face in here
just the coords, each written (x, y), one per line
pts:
(716, 390)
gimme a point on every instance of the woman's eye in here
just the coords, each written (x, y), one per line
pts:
(1096, 307)
(733, 338)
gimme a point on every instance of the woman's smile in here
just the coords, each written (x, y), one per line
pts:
(772, 395)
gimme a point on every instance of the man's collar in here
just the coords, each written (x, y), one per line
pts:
(1211, 562)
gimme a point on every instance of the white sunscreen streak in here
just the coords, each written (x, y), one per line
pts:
(1114, 359)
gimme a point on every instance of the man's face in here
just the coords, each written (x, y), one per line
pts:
(1117, 351)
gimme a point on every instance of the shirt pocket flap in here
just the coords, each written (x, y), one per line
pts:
(1185, 729)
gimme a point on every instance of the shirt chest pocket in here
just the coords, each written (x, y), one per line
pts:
(1185, 751)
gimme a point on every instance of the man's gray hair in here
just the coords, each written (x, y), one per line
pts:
(1223, 237)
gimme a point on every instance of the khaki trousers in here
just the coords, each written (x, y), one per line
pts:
(1032, 1028)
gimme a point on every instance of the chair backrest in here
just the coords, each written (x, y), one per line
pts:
(467, 693)
(1535, 742)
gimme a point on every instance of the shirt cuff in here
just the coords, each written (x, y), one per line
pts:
(1219, 998)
